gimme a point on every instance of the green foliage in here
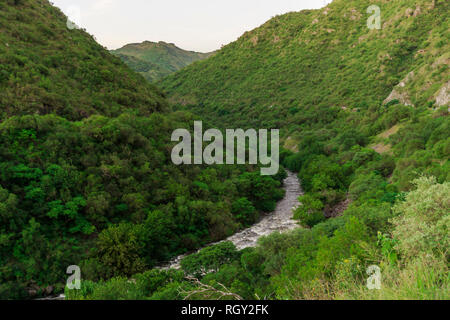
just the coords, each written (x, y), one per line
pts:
(209, 259)
(141, 287)
(86, 176)
(344, 244)
(47, 68)
(119, 249)
(244, 211)
(157, 60)
(111, 179)
(310, 212)
(325, 262)
(388, 248)
(424, 219)
(262, 191)
(415, 259)
(71, 211)
(294, 68)
(365, 186)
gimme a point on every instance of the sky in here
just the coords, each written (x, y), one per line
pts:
(198, 25)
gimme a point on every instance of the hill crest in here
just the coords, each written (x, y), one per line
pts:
(156, 60)
(322, 58)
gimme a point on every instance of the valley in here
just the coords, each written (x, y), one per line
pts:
(281, 220)
(88, 178)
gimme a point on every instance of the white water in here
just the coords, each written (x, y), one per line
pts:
(281, 220)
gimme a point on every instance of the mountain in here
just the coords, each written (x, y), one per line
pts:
(47, 68)
(87, 179)
(157, 60)
(86, 176)
(364, 118)
(323, 58)
(365, 121)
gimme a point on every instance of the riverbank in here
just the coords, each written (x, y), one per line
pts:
(281, 220)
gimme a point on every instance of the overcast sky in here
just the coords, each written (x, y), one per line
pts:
(199, 25)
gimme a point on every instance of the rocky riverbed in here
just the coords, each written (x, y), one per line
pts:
(280, 220)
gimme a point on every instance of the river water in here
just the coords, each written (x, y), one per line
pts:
(278, 221)
(281, 220)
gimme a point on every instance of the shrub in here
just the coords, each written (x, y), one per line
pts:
(244, 211)
(310, 212)
(424, 219)
(209, 259)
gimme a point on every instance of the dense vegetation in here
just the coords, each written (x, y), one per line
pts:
(397, 219)
(47, 68)
(318, 59)
(97, 188)
(328, 261)
(157, 60)
(377, 168)
(65, 183)
(89, 180)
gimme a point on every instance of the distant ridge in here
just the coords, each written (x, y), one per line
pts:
(156, 60)
(45, 67)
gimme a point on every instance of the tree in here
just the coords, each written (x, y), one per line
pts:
(244, 211)
(310, 212)
(120, 248)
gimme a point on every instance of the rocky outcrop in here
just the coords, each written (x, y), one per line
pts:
(399, 93)
(443, 95)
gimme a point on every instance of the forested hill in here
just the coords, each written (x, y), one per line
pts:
(157, 60)
(47, 68)
(365, 121)
(323, 58)
(86, 176)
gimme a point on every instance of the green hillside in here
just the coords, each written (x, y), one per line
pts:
(47, 68)
(86, 176)
(157, 60)
(375, 171)
(322, 58)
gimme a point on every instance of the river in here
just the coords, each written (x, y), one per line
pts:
(280, 220)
